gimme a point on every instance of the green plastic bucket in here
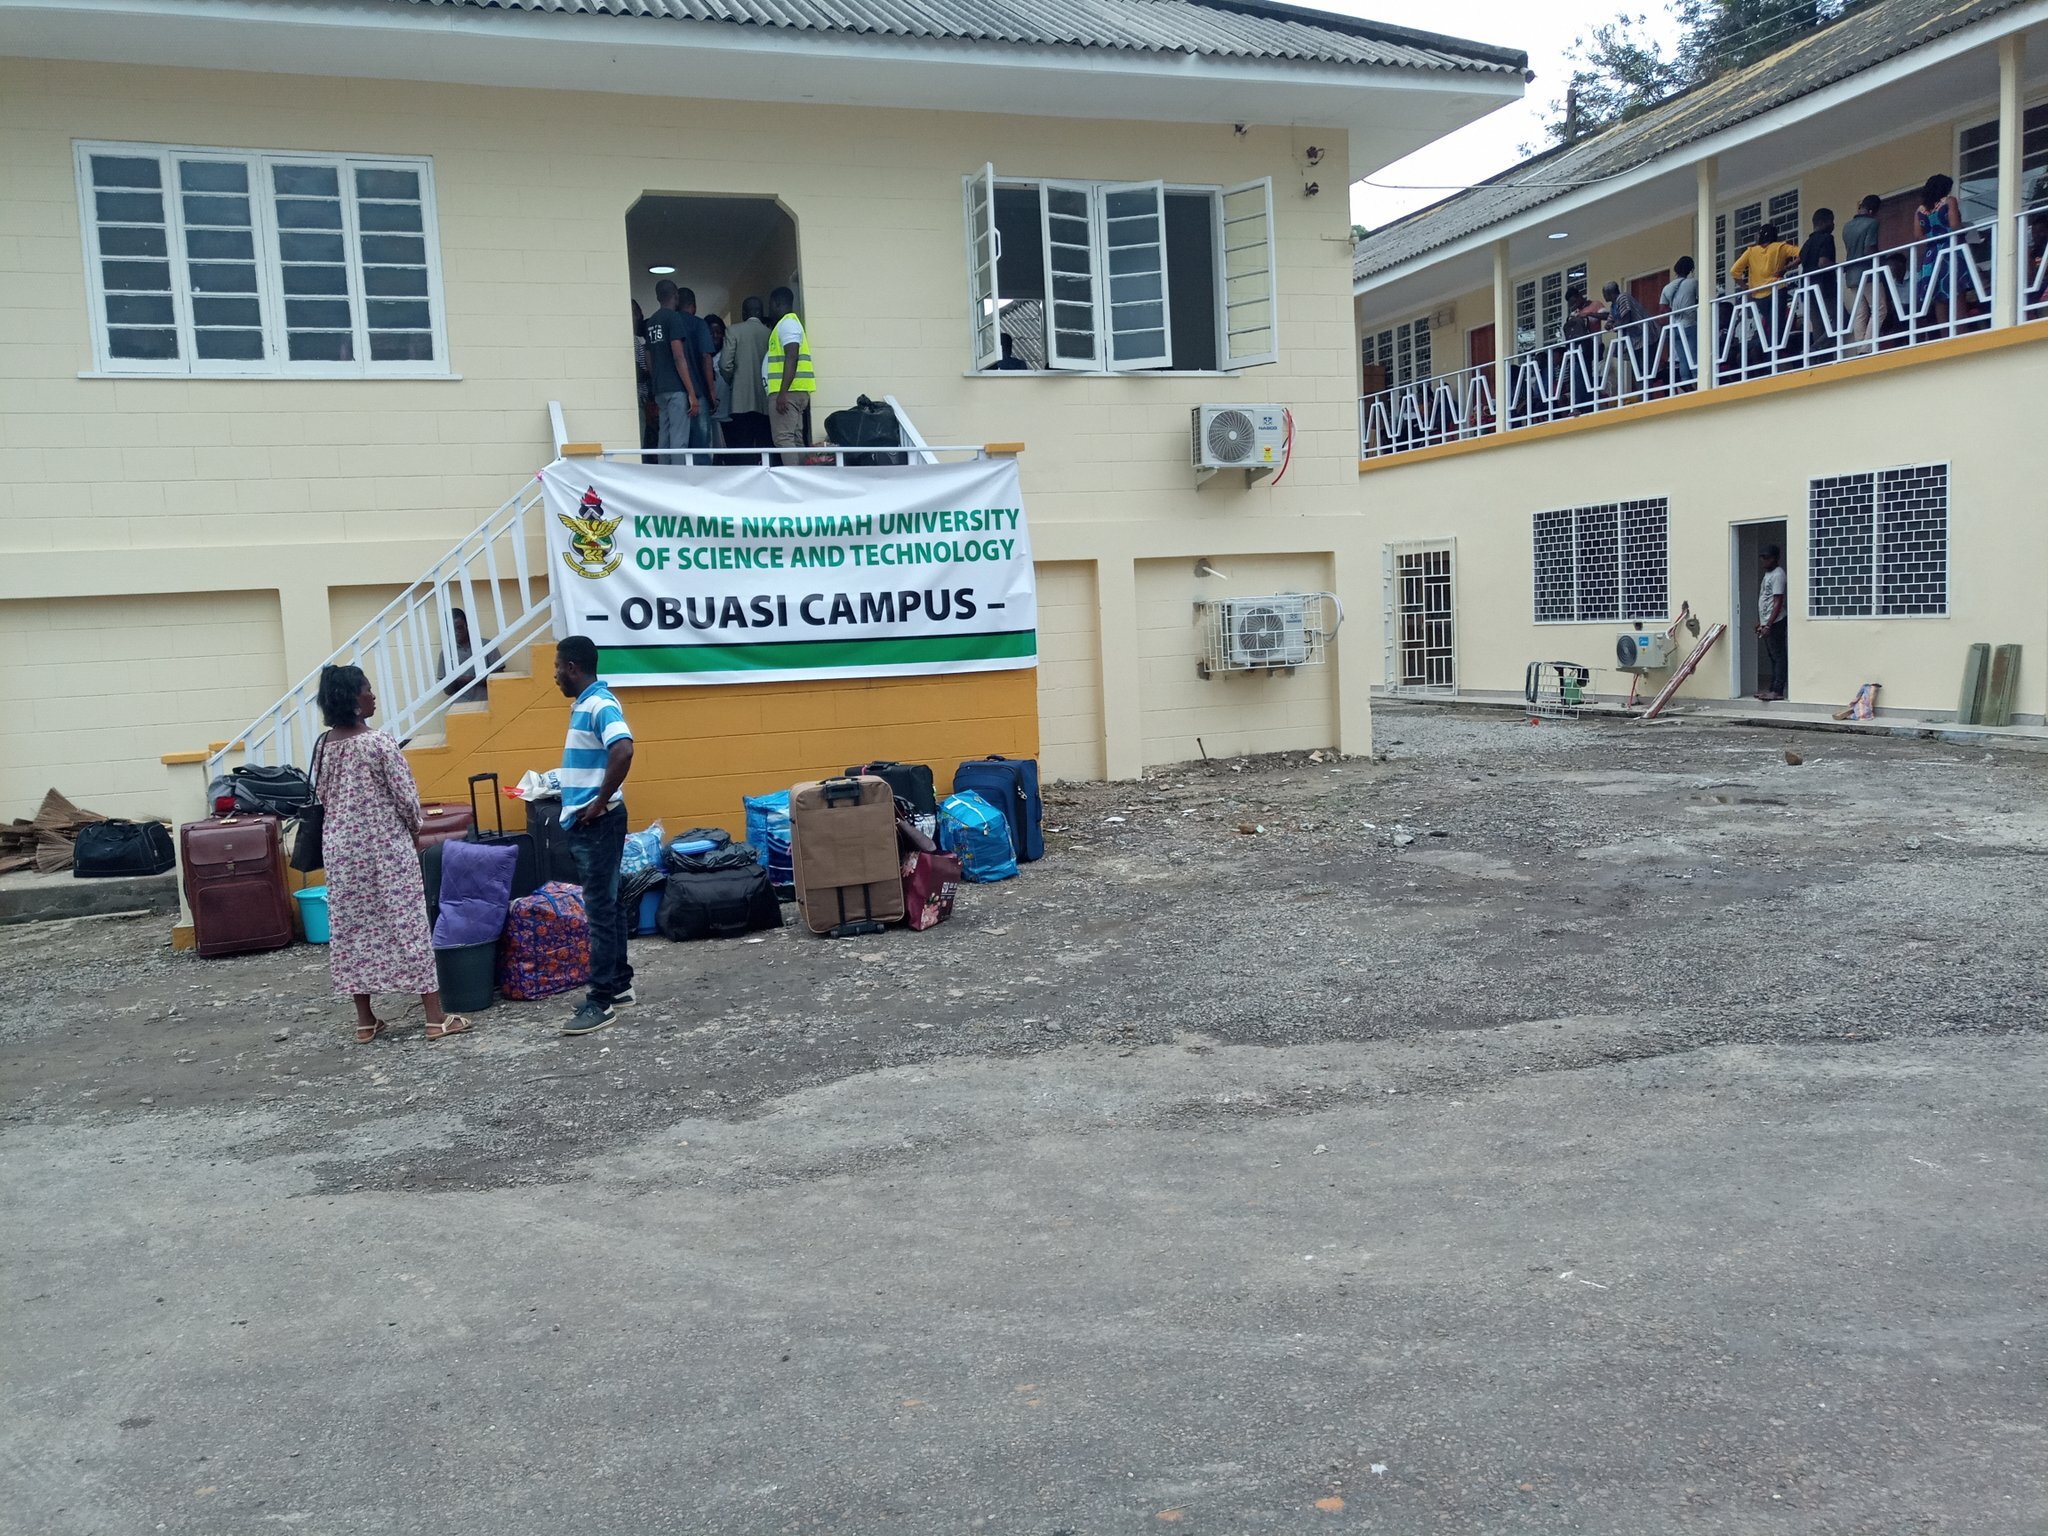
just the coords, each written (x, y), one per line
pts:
(313, 912)
(467, 973)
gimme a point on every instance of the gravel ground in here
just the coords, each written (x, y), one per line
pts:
(1208, 965)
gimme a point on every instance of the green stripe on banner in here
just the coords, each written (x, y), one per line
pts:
(788, 655)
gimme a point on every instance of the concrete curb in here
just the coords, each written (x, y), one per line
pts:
(33, 898)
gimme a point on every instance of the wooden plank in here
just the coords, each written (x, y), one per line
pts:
(1685, 670)
(1970, 703)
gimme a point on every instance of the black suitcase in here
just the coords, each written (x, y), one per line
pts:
(867, 423)
(104, 849)
(911, 783)
(550, 842)
(526, 875)
(718, 903)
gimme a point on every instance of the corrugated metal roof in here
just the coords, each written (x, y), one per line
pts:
(1251, 30)
(1862, 40)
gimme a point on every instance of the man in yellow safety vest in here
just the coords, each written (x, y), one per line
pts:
(786, 372)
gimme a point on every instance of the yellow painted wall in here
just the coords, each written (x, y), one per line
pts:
(696, 751)
(288, 489)
(1745, 459)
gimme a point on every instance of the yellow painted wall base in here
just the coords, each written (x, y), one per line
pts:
(698, 750)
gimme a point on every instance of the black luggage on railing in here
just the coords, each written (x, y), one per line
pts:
(867, 424)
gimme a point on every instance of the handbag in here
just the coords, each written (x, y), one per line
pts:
(305, 832)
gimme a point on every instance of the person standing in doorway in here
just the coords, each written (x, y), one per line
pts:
(721, 387)
(596, 758)
(702, 359)
(746, 344)
(675, 387)
(787, 372)
(1771, 626)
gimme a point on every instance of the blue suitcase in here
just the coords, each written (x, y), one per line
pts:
(1010, 784)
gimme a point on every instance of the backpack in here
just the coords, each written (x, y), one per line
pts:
(546, 947)
(979, 835)
(867, 423)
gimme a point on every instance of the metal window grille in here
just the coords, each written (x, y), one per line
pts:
(1422, 653)
(1525, 317)
(1602, 564)
(1877, 543)
(1402, 352)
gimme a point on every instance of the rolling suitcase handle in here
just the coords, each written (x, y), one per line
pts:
(842, 791)
(497, 803)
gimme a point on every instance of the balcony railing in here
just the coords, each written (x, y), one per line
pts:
(1907, 296)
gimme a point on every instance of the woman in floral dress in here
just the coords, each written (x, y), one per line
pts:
(376, 901)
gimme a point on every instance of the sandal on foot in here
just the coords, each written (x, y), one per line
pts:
(453, 1024)
(365, 1035)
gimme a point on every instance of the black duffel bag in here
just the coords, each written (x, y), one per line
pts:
(730, 897)
(867, 424)
(274, 791)
(103, 849)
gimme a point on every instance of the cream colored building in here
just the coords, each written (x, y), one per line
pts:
(1535, 496)
(289, 289)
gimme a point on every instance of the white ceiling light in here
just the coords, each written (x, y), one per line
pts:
(1559, 234)
(665, 271)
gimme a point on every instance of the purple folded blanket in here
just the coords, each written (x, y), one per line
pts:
(476, 891)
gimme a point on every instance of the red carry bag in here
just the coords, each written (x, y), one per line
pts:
(546, 947)
(930, 882)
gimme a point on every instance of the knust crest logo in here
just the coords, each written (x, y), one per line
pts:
(590, 553)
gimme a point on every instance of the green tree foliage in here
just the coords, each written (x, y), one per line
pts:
(1620, 69)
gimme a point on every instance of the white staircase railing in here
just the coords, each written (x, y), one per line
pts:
(409, 650)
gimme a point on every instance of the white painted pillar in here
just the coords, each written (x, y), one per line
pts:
(1705, 177)
(1503, 333)
(2008, 279)
(1351, 577)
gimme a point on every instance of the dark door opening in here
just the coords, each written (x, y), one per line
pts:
(1746, 573)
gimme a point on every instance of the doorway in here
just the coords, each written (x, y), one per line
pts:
(1421, 605)
(1745, 576)
(1480, 353)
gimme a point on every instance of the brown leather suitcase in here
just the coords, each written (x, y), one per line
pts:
(848, 874)
(233, 868)
(440, 821)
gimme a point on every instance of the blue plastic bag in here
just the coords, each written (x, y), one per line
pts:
(768, 830)
(642, 851)
(979, 835)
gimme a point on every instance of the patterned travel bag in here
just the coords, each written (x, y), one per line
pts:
(546, 947)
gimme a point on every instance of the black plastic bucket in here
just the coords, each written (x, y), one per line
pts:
(467, 976)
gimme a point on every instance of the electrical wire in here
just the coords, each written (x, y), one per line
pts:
(1286, 444)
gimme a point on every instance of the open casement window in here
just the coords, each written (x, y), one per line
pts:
(1119, 277)
(1251, 330)
(1133, 227)
(984, 250)
(1073, 311)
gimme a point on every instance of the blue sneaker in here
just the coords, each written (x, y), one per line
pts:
(625, 999)
(591, 1016)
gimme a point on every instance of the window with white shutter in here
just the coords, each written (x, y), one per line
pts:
(225, 261)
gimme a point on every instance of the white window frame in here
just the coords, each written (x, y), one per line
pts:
(1256, 287)
(2029, 105)
(275, 363)
(1948, 546)
(1725, 248)
(1533, 281)
(1392, 335)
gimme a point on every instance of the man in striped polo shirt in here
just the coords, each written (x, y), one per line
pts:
(595, 761)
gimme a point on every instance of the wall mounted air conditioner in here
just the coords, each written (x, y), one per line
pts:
(1269, 634)
(1252, 437)
(1639, 651)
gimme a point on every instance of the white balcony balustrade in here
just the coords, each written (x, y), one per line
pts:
(1925, 291)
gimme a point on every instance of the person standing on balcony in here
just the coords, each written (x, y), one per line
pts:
(1939, 216)
(1757, 271)
(787, 374)
(376, 896)
(1681, 298)
(596, 758)
(1628, 354)
(675, 380)
(1771, 626)
(1580, 359)
(1820, 305)
(746, 344)
(1859, 244)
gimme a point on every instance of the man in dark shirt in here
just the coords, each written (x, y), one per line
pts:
(1859, 243)
(677, 395)
(702, 355)
(1821, 312)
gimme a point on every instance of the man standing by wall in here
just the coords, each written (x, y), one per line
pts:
(675, 380)
(746, 344)
(595, 761)
(700, 356)
(786, 372)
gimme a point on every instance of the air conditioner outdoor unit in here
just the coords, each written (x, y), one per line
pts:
(1238, 436)
(1639, 651)
(1269, 634)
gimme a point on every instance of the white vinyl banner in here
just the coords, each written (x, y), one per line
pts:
(730, 574)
